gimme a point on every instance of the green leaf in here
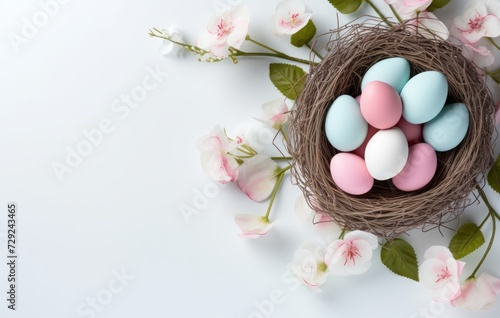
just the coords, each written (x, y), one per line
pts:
(346, 6)
(437, 4)
(467, 239)
(399, 256)
(304, 35)
(288, 79)
(494, 176)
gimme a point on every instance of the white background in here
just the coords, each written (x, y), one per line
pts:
(119, 209)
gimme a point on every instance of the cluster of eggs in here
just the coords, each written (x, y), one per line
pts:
(393, 129)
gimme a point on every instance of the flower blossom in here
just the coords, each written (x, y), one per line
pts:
(290, 17)
(168, 47)
(252, 226)
(324, 226)
(257, 177)
(426, 23)
(429, 26)
(216, 160)
(409, 7)
(224, 30)
(274, 113)
(480, 55)
(352, 255)
(308, 265)
(478, 22)
(479, 293)
(440, 272)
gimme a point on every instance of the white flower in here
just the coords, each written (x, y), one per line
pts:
(429, 26)
(480, 55)
(257, 177)
(225, 29)
(308, 265)
(289, 17)
(440, 272)
(324, 226)
(215, 158)
(352, 255)
(409, 8)
(168, 47)
(274, 113)
(252, 226)
(477, 22)
(479, 293)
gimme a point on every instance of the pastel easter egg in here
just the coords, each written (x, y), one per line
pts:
(424, 96)
(449, 127)
(413, 132)
(345, 127)
(394, 71)
(386, 153)
(381, 105)
(350, 174)
(419, 169)
(360, 151)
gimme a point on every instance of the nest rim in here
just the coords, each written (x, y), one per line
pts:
(386, 211)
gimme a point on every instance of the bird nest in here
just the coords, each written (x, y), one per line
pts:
(385, 210)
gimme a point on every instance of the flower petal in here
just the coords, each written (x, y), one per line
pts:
(252, 226)
(362, 235)
(257, 177)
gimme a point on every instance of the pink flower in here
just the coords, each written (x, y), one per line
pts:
(224, 30)
(215, 158)
(480, 55)
(429, 26)
(440, 272)
(477, 22)
(322, 223)
(308, 265)
(257, 177)
(409, 7)
(479, 293)
(352, 255)
(252, 226)
(290, 17)
(274, 113)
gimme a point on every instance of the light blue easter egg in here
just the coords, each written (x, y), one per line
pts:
(394, 71)
(424, 96)
(345, 126)
(448, 128)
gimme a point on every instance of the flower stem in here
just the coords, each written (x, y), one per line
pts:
(275, 53)
(275, 190)
(487, 202)
(488, 248)
(379, 13)
(281, 158)
(314, 51)
(494, 44)
(395, 14)
(249, 39)
(237, 52)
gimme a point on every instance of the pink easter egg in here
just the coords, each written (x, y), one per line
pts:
(360, 151)
(419, 169)
(350, 174)
(358, 98)
(413, 132)
(381, 105)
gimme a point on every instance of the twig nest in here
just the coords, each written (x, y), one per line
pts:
(385, 210)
